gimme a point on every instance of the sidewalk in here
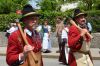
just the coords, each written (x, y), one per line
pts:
(94, 51)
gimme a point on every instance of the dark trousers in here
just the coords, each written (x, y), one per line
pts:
(59, 43)
(62, 53)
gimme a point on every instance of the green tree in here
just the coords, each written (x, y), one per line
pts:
(87, 4)
(96, 4)
(8, 6)
(48, 5)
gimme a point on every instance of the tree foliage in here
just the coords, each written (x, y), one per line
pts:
(7, 11)
(49, 10)
(48, 5)
(6, 19)
(8, 6)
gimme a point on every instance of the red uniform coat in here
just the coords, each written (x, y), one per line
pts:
(73, 43)
(15, 46)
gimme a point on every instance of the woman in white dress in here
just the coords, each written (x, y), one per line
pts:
(46, 43)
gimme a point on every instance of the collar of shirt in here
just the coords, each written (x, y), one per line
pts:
(28, 32)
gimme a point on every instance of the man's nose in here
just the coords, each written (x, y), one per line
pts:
(35, 21)
(83, 19)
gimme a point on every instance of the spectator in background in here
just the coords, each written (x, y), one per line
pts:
(64, 46)
(59, 28)
(89, 27)
(11, 29)
(46, 43)
(40, 30)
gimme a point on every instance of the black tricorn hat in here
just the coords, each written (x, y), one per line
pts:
(78, 12)
(28, 10)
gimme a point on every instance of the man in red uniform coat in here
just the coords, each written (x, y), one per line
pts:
(16, 49)
(79, 47)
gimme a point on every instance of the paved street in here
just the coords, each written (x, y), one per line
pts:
(47, 62)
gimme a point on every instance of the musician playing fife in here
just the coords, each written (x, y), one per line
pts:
(17, 51)
(79, 54)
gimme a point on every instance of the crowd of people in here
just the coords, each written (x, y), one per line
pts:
(73, 43)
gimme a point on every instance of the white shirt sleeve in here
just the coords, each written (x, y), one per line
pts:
(39, 28)
(89, 26)
(12, 29)
(21, 60)
(49, 28)
(64, 34)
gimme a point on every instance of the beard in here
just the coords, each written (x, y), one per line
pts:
(34, 26)
(31, 26)
(83, 25)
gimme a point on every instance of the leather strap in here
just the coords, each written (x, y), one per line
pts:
(84, 52)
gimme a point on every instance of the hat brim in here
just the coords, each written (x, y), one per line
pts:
(85, 14)
(30, 14)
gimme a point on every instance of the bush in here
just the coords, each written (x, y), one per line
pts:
(51, 16)
(6, 19)
(94, 18)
